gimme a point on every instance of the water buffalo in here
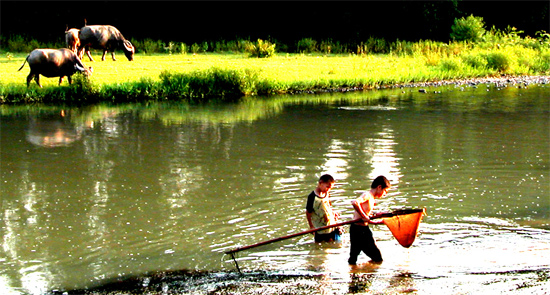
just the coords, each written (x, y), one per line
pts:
(107, 38)
(72, 39)
(54, 63)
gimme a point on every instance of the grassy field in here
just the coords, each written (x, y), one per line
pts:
(207, 76)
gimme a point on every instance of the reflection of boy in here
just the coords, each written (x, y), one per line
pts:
(360, 235)
(319, 211)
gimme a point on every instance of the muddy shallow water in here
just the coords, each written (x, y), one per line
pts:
(146, 199)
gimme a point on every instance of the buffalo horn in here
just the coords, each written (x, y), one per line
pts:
(128, 45)
(76, 66)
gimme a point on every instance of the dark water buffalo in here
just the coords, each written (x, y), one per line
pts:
(107, 38)
(72, 39)
(54, 63)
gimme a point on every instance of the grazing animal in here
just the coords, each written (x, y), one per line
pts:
(72, 39)
(54, 63)
(107, 38)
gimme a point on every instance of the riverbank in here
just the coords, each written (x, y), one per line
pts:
(230, 77)
(498, 82)
(534, 281)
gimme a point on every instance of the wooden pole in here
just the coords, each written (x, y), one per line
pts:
(291, 236)
(379, 215)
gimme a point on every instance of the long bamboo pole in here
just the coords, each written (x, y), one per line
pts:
(379, 215)
(291, 236)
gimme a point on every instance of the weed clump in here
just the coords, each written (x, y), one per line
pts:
(498, 61)
(212, 84)
(260, 49)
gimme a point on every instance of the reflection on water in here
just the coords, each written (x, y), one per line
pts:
(52, 130)
(96, 193)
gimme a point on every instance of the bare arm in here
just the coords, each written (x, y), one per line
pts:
(364, 210)
(360, 210)
(308, 217)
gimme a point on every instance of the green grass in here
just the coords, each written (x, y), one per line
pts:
(206, 76)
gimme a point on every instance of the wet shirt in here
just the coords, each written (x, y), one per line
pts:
(321, 212)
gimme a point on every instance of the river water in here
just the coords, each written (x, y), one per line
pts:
(101, 192)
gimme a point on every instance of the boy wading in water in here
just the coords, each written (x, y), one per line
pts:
(360, 235)
(319, 211)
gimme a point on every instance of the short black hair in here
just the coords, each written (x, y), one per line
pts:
(380, 180)
(326, 178)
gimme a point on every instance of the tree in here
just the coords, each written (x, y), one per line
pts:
(471, 29)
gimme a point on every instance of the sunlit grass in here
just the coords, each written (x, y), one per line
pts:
(283, 73)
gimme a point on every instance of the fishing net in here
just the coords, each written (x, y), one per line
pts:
(403, 224)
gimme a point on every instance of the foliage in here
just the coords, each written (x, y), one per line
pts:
(475, 61)
(214, 83)
(372, 45)
(260, 49)
(306, 45)
(25, 44)
(499, 61)
(223, 76)
(470, 29)
(148, 46)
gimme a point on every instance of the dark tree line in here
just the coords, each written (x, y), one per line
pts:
(286, 21)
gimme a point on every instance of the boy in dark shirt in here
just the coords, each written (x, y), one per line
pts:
(319, 211)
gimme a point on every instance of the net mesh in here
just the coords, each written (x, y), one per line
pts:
(404, 225)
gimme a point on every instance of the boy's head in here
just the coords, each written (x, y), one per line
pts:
(380, 186)
(326, 182)
(380, 180)
(326, 178)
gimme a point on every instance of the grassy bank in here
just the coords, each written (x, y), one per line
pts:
(230, 76)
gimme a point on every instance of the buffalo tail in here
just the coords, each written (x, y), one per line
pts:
(24, 63)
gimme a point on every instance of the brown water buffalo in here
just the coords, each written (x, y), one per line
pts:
(54, 63)
(107, 38)
(72, 39)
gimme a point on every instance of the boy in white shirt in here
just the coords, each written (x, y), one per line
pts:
(361, 238)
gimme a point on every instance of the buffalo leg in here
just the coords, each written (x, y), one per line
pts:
(113, 55)
(80, 53)
(103, 57)
(88, 54)
(37, 79)
(60, 80)
(29, 79)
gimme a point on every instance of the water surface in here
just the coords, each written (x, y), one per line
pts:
(95, 193)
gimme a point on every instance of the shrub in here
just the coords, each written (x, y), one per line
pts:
(149, 46)
(214, 83)
(183, 48)
(306, 45)
(498, 61)
(542, 63)
(195, 48)
(475, 61)
(468, 29)
(260, 49)
(25, 44)
(449, 64)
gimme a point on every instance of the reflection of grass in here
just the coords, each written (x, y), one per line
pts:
(228, 76)
(252, 109)
(170, 113)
